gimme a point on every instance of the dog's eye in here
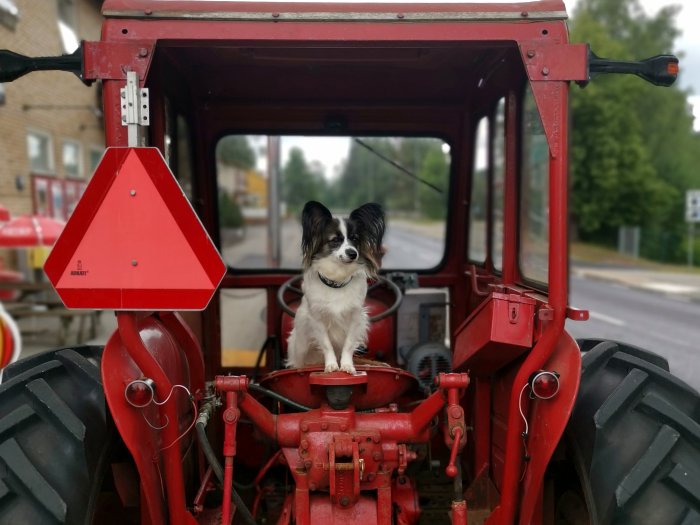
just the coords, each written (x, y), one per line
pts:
(338, 239)
(354, 237)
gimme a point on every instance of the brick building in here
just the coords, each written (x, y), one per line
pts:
(51, 134)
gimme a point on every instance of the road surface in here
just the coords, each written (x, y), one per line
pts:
(665, 325)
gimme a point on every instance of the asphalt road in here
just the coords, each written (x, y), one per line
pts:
(665, 325)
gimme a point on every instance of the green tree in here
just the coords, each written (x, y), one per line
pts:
(234, 150)
(301, 182)
(435, 170)
(633, 149)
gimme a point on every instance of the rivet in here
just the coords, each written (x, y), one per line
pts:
(308, 464)
(376, 456)
(275, 15)
(132, 193)
(123, 94)
(143, 52)
(324, 426)
(530, 53)
(148, 11)
(455, 412)
(344, 501)
(304, 444)
(343, 427)
(304, 427)
(134, 262)
(524, 14)
(545, 71)
(400, 15)
(312, 486)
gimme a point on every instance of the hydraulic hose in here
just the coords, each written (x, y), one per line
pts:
(216, 467)
(279, 397)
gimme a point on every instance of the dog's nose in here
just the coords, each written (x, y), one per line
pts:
(351, 253)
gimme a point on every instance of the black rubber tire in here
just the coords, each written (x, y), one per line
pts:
(635, 435)
(54, 438)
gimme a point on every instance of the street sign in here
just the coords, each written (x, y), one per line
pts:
(134, 242)
(692, 206)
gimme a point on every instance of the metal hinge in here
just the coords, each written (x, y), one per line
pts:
(135, 109)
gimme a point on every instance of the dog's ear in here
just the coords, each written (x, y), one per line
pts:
(370, 217)
(314, 220)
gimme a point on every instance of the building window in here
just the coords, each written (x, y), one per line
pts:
(39, 150)
(9, 14)
(72, 165)
(95, 155)
(67, 25)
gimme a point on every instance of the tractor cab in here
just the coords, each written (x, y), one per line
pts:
(222, 120)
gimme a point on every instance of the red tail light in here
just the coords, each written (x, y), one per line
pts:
(139, 393)
(544, 384)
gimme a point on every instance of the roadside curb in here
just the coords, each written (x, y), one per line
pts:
(601, 276)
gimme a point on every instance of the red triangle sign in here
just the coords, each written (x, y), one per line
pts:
(134, 242)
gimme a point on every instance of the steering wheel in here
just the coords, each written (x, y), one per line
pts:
(293, 286)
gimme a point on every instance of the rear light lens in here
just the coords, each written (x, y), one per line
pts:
(544, 384)
(672, 68)
(139, 393)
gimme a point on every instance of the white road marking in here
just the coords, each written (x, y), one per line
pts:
(606, 318)
(670, 287)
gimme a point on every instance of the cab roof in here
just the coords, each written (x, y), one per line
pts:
(536, 10)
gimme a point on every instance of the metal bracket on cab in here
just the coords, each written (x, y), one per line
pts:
(135, 110)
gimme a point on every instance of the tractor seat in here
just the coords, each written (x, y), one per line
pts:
(372, 387)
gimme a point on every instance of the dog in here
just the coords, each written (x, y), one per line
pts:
(339, 255)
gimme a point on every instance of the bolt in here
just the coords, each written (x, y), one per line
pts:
(545, 71)
(132, 193)
(530, 53)
(304, 444)
(344, 501)
(143, 52)
(134, 262)
(455, 412)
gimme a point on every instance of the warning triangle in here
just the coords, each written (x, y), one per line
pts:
(134, 242)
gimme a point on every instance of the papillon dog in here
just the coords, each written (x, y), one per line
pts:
(339, 255)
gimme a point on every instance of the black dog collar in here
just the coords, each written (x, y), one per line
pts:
(331, 283)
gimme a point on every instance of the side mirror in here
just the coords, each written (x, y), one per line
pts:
(660, 70)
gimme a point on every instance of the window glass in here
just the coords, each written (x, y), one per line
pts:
(499, 173)
(95, 156)
(479, 198)
(72, 167)
(260, 200)
(9, 14)
(67, 26)
(39, 152)
(534, 195)
(184, 157)
(241, 341)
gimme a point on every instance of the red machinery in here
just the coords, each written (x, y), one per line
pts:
(489, 438)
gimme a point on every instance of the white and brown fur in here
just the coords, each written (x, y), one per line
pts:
(331, 321)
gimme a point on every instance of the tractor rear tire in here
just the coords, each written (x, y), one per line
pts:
(55, 436)
(635, 437)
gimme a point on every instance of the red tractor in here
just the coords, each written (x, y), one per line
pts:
(471, 404)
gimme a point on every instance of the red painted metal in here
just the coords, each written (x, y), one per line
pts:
(499, 330)
(106, 60)
(383, 385)
(134, 242)
(230, 416)
(144, 348)
(548, 420)
(459, 513)
(557, 302)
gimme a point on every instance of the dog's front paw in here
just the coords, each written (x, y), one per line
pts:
(331, 367)
(348, 367)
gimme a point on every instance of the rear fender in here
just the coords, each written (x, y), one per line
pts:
(547, 421)
(139, 427)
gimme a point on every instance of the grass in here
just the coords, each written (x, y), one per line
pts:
(594, 254)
